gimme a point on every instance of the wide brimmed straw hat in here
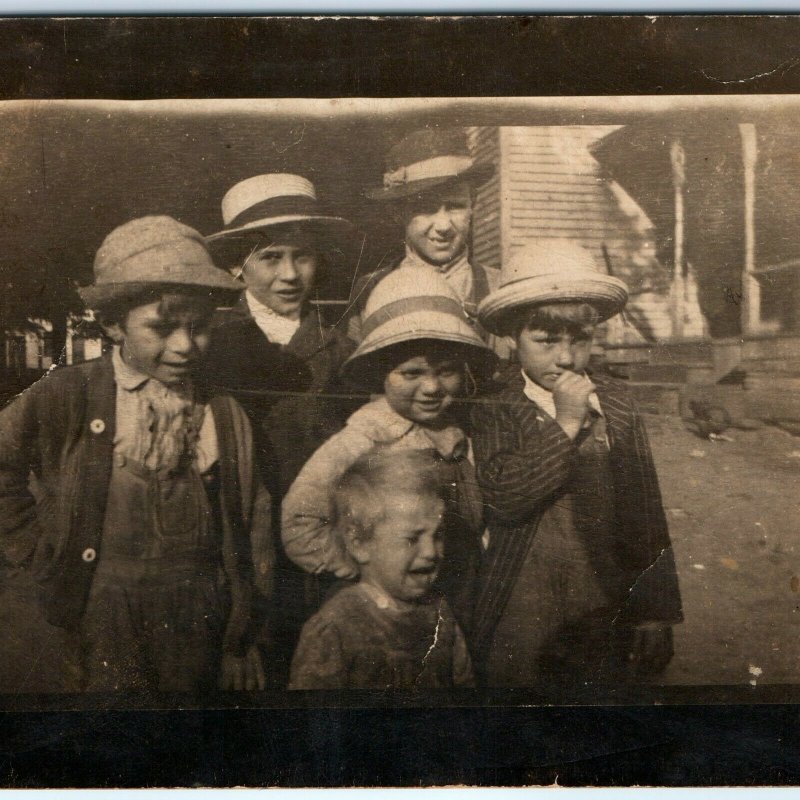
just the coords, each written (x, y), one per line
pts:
(410, 305)
(551, 271)
(155, 251)
(427, 159)
(279, 200)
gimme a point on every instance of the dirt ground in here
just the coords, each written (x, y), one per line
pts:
(733, 515)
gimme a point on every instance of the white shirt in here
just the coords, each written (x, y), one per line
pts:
(457, 273)
(544, 398)
(147, 410)
(276, 328)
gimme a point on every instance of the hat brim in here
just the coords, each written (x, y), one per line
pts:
(605, 292)
(104, 294)
(477, 174)
(322, 223)
(339, 240)
(410, 328)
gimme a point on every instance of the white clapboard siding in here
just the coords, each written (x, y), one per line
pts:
(547, 184)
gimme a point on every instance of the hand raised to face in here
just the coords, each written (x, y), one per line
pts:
(571, 394)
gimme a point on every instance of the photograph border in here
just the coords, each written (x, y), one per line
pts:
(644, 738)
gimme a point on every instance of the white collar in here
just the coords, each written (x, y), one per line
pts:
(380, 597)
(125, 375)
(544, 398)
(382, 424)
(275, 327)
(459, 263)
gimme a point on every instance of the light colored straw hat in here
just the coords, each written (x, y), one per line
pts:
(273, 200)
(551, 271)
(427, 159)
(412, 304)
(155, 251)
(277, 203)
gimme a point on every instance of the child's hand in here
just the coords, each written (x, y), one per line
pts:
(242, 673)
(651, 649)
(571, 395)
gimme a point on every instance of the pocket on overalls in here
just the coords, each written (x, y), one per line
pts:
(178, 505)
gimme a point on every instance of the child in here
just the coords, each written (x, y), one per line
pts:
(390, 630)
(428, 189)
(579, 580)
(276, 352)
(145, 513)
(420, 350)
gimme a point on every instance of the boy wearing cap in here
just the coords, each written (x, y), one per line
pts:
(428, 187)
(144, 522)
(579, 581)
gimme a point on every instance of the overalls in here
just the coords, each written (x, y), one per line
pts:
(155, 614)
(558, 625)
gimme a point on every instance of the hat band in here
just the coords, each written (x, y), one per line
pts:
(410, 305)
(275, 207)
(439, 167)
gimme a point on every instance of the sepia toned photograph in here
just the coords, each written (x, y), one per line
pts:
(364, 423)
(406, 395)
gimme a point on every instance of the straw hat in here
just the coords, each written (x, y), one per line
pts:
(155, 251)
(279, 200)
(428, 159)
(551, 271)
(409, 305)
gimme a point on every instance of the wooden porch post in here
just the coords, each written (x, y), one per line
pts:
(677, 296)
(751, 289)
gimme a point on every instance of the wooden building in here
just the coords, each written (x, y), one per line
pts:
(723, 198)
(548, 184)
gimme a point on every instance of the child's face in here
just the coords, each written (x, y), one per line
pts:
(165, 345)
(281, 274)
(402, 557)
(544, 355)
(437, 223)
(421, 389)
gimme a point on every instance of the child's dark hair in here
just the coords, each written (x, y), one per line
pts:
(172, 299)
(357, 496)
(556, 318)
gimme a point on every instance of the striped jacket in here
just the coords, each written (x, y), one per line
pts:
(524, 457)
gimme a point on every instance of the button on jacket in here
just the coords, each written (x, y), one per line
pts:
(56, 455)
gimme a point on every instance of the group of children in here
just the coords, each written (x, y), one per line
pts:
(470, 524)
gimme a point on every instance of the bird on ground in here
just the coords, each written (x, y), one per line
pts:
(709, 421)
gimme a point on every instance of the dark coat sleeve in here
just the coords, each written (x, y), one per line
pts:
(520, 461)
(19, 457)
(247, 542)
(644, 549)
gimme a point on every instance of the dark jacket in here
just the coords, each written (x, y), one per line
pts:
(523, 457)
(291, 393)
(56, 449)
